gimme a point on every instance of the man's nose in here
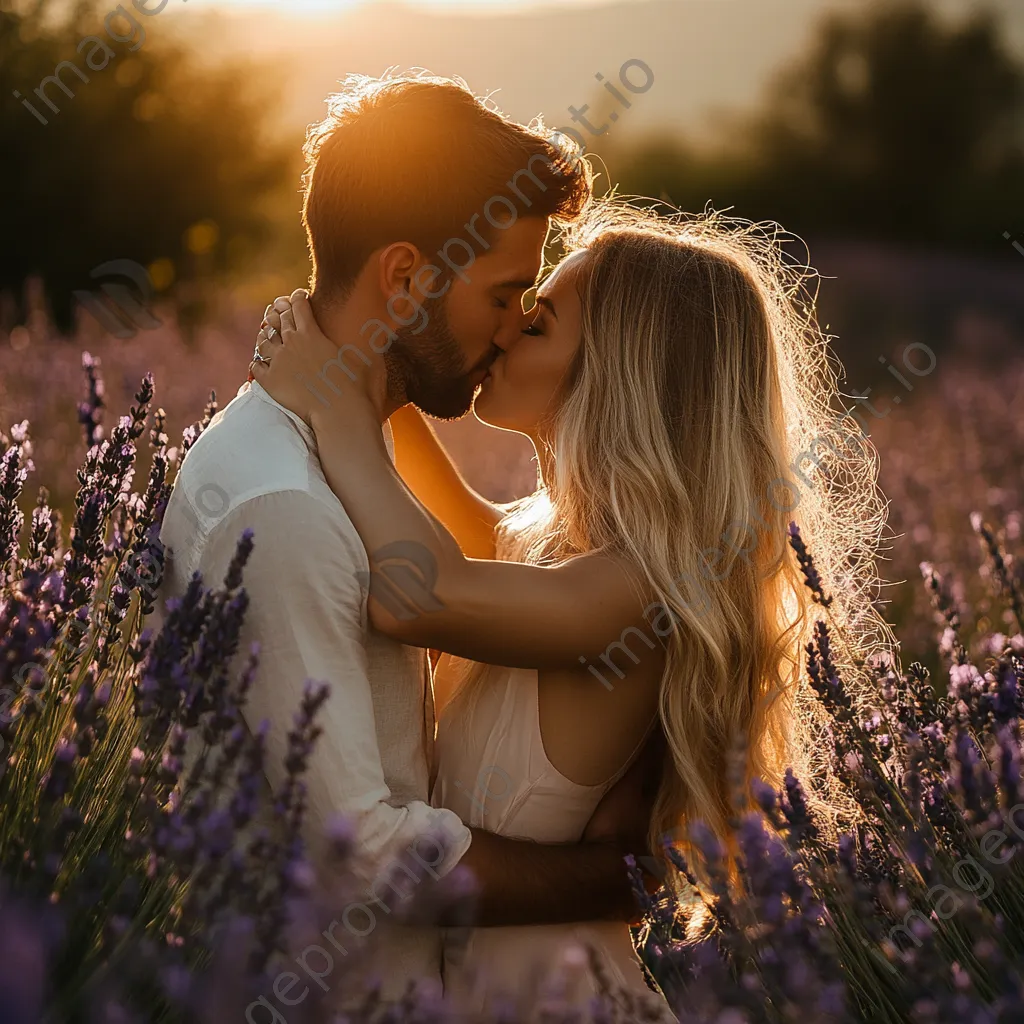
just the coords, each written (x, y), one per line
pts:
(511, 331)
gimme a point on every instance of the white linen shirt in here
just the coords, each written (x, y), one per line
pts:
(256, 466)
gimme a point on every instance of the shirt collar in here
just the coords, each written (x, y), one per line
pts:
(303, 428)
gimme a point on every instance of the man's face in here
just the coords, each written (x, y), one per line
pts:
(475, 319)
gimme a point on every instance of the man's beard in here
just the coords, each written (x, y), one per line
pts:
(427, 369)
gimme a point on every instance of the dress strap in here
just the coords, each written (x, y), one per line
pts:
(636, 750)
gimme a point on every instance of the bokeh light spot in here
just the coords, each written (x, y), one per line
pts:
(129, 72)
(161, 273)
(202, 237)
(148, 106)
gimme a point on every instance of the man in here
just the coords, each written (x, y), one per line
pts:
(401, 171)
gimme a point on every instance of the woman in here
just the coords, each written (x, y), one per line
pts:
(668, 376)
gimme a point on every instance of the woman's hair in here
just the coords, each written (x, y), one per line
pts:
(696, 422)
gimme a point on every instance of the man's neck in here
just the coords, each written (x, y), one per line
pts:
(344, 323)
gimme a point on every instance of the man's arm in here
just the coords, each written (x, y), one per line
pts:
(529, 883)
(532, 883)
(305, 612)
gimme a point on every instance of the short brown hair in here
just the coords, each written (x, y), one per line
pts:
(412, 158)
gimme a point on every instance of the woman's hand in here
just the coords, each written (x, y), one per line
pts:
(270, 328)
(298, 365)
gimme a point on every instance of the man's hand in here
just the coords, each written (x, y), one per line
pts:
(624, 814)
(623, 817)
(521, 882)
(531, 883)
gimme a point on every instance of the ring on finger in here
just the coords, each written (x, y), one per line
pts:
(272, 332)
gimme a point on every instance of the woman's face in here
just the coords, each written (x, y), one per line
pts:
(522, 388)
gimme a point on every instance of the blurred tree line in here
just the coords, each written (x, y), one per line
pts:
(156, 159)
(897, 125)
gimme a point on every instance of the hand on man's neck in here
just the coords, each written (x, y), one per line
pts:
(345, 324)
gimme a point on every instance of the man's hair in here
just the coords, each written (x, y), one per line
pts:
(413, 158)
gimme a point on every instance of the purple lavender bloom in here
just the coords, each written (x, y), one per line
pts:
(636, 883)
(764, 795)
(90, 412)
(1008, 581)
(24, 956)
(811, 578)
(795, 810)
(1009, 759)
(15, 465)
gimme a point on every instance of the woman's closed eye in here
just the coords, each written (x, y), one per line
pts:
(532, 330)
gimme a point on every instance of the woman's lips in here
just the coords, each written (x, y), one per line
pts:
(494, 367)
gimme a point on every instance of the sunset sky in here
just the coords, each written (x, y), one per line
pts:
(534, 56)
(448, 6)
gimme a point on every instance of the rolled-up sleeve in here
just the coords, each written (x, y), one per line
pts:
(307, 611)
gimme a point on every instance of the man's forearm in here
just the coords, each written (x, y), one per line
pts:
(532, 883)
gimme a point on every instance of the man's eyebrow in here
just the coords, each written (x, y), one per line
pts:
(519, 284)
(547, 304)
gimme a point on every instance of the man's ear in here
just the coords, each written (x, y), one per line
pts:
(396, 267)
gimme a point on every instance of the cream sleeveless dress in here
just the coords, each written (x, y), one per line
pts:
(493, 772)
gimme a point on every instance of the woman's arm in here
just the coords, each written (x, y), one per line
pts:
(433, 478)
(426, 467)
(504, 613)
(424, 590)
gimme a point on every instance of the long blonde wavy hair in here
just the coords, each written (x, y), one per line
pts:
(701, 377)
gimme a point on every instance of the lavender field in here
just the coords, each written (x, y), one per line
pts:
(127, 901)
